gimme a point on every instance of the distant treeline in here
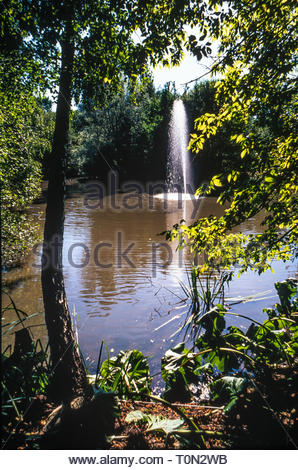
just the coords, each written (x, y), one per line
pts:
(129, 133)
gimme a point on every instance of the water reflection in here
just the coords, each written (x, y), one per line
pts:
(126, 303)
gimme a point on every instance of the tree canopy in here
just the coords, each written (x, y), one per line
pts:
(123, 133)
(111, 38)
(257, 60)
(25, 136)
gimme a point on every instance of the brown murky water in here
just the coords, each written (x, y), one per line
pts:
(123, 297)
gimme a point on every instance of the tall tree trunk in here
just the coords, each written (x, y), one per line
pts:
(69, 377)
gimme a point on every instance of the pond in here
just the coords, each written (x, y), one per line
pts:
(124, 281)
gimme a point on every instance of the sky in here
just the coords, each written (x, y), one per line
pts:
(189, 69)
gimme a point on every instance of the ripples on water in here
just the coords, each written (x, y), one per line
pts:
(126, 304)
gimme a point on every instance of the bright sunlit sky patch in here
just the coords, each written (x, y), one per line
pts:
(189, 69)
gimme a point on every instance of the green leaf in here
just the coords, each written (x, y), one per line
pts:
(158, 423)
(126, 373)
(135, 416)
(216, 181)
(155, 422)
(227, 390)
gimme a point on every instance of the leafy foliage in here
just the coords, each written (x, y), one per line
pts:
(257, 62)
(274, 341)
(120, 133)
(229, 389)
(204, 291)
(112, 40)
(25, 371)
(26, 127)
(155, 422)
(178, 369)
(218, 151)
(23, 380)
(25, 134)
(233, 350)
(126, 373)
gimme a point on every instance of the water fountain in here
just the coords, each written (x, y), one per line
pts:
(180, 189)
(178, 168)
